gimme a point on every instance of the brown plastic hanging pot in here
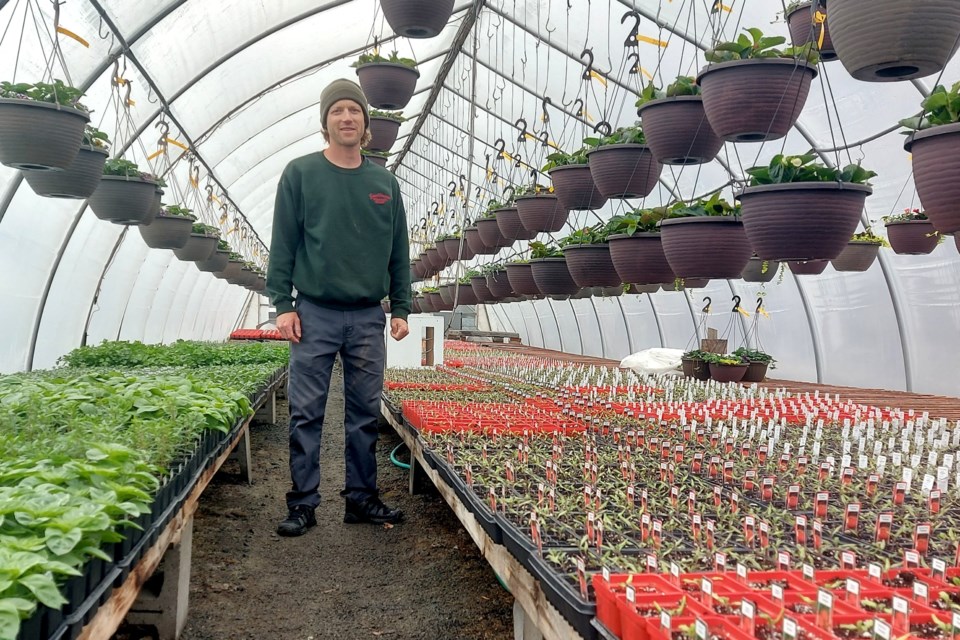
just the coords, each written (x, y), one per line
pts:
(476, 243)
(678, 131)
(481, 290)
(856, 256)
(124, 200)
(39, 136)
(199, 247)
(553, 277)
(808, 267)
(541, 213)
(217, 262)
(491, 235)
(728, 372)
(457, 250)
(810, 24)
(575, 187)
(499, 284)
(466, 295)
(639, 258)
(936, 173)
(912, 237)
(417, 18)
(232, 270)
(624, 170)
(79, 180)
(520, 275)
(167, 231)
(754, 272)
(510, 227)
(590, 265)
(426, 305)
(705, 247)
(387, 85)
(383, 132)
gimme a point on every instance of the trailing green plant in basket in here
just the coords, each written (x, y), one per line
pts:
(396, 116)
(867, 235)
(941, 107)
(539, 250)
(178, 211)
(783, 169)
(492, 205)
(908, 215)
(622, 135)
(596, 234)
(53, 93)
(755, 355)
(207, 230)
(223, 245)
(532, 190)
(562, 159)
(638, 220)
(712, 206)
(93, 137)
(682, 86)
(394, 57)
(753, 45)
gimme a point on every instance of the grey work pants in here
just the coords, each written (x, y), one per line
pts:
(358, 336)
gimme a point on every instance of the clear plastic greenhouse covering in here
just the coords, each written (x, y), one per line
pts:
(234, 89)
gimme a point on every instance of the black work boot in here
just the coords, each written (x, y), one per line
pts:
(300, 518)
(371, 510)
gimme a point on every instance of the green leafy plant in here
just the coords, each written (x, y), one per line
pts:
(562, 159)
(754, 355)
(394, 57)
(396, 116)
(753, 45)
(93, 137)
(695, 354)
(907, 216)
(587, 235)
(868, 236)
(535, 189)
(121, 167)
(941, 107)
(682, 86)
(207, 230)
(622, 135)
(492, 206)
(178, 211)
(53, 93)
(377, 154)
(222, 245)
(712, 206)
(783, 169)
(722, 358)
(540, 250)
(638, 220)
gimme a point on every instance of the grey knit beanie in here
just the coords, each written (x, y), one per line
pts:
(343, 89)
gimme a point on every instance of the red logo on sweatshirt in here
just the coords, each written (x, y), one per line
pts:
(380, 198)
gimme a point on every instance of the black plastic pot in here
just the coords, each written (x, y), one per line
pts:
(198, 247)
(387, 85)
(624, 170)
(541, 213)
(639, 258)
(590, 265)
(417, 18)
(553, 277)
(124, 200)
(79, 180)
(856, 257)
(217, 262)
(705, 247)
(167, 232)
(37, 136)
(575, 187)
(384, 132)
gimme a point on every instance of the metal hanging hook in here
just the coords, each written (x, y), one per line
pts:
(500, 145)
(523, 129)
(511, 190)
(635, 67)
(544, 116)
(588, 54)
(709, 301)
(605, 126)
(579, 111)
(452, 185)
(736, 303)
(631, 40)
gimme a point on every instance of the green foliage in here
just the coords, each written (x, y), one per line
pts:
(597, 234)
(182, 353)
(177, 210)
(492, 205)
(753, 355)
(695, 354)
(907, 215)
(222, 245)
(368, 58)
(205, 229)
(561, 159)
(121, 167)
(489, 268)
(396, 116)
(682, 86)
(55, 93)
(722, 358)
(532, 190)
(623, 135)
(638, 220)
(540, 250)
(93, 137)
(378, 154)
(783, 169)
(712, 206)
(753, 45)
(941, 107)
(867, 235)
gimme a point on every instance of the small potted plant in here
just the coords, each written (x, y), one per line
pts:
(936, 163)
(41, 125)
(759, 270)
(424, 302)
(758, 361)
(694, 364)
(433, 258)
(497, 281)
(489, 230)
(520, 275)
(886, 40)
(170, 229)
(376, 157)
(799, 210)
(540, 209)
(705, 239)
(508, 220)
(588, 257)
(125, 195)
(82, 177)
(860, 252)
(201, 245)
(636, 249)
(753, 91)
(478, 283)
(911, 233)
(572, 181)
(621, 163)
(675, 124)
(726, 367)
(388, 83)
(550, 272)
(807, 20)
(218, 261)
(235, 261)
(457, 247)
(384, 127)
(464, 292)
(417, 18)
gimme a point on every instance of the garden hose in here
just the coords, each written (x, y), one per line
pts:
(393, 458)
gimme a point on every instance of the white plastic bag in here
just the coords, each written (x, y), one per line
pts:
(653, 361)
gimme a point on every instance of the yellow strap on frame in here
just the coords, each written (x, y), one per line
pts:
(71, 34)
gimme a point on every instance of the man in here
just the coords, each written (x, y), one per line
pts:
(339, 239)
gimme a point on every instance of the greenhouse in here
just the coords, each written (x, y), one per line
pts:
(641, 319)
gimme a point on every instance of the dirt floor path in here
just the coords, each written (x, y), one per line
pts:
(423, 579)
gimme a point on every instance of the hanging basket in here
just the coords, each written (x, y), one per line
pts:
(426, 304)
(806, 26)
(687, 283)
(232, 270)
(198, 247)
(387, 85)
(417, 18)
(753, 272)
(808, 267)
(624, 170)
(476, 243)
(377, 160)
(802, 220)
(457, 250)
(491, 235)
(575, 187)
(553, 277)
(521, 279)
(78, 181)
(167, 232)
(705, 247)
(481, 290)
(728, 372)
(217, 262)
(912, 237)
(756, 99)
(38, 136)
(499, 284)
(639, 258)
(438, 303)
(434, 260)
(541, 213)
(887, 40)
(936, 172)
(510, 227)
(415, 305)
(678, 131)
(442, 252)
(756, 372)
(446, 294)
(695, 368)
(124, 200)
(640, 289)
(590, 265)
(856, 256)
(384, 133)
(465, 295)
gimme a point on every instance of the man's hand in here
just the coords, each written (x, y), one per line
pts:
(398, 328)
(288, 324)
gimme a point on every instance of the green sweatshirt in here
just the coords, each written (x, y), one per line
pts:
(339, 237)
